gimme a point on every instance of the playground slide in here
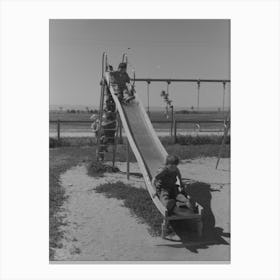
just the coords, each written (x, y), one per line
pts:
(146, 146)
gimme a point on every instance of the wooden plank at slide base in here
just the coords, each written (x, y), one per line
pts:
(145, 144)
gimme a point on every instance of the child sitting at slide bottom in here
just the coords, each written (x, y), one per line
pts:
(167, 190)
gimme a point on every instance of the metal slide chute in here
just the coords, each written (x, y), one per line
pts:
(146, 146)
(148, 150)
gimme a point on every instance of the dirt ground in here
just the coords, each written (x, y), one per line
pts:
(101, 229)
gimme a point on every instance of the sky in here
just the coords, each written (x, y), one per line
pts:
(190, 49)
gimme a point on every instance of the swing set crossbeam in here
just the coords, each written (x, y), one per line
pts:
(148, 80)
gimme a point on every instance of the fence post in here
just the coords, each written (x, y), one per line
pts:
(121, 137)
(172, 120)
(127, 158)
(115, 142)
(175, 131)
(223, 143)
(58, 130)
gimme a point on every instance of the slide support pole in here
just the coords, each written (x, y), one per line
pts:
(198, 93)
(148, 97)
(224, 93)
(127, 158)
(58, 130)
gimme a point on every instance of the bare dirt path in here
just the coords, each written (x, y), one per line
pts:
(101, 229)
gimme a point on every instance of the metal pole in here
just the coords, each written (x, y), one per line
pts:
(182, 80)
(175, 131)
(127, 158)
(171, 107)
(198, 92)
(224, 92)
(148, 96)
(172, 120)
(121, 137)
(119, 133)
(100, 120)
(104, 57)
(124, 58)
(58, 130)
(115, 143)
(227, 126)
(229, 91)
(101, 104)
(167, 87)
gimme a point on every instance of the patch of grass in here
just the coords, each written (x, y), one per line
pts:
(95, 168)
(183, 151)
(188, 151)
(196, 151)
(165, 140)
(71, 141)
(138, 201)
(54, 143)
(61, 159)
(155, 115)
(194, 140)
(56, 198)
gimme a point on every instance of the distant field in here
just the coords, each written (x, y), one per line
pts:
(155, 116)
(84, 128)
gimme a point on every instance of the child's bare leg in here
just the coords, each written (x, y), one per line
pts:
(167, 202)
(164, 228)
(118, 92)
(128, 95)
(120, 96)
(182, 199)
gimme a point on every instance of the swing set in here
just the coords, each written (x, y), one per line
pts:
(116, 135)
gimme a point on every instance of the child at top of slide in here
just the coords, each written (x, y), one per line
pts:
(120, 81)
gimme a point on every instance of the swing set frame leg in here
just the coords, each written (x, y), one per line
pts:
(223, 144)
(164, 227)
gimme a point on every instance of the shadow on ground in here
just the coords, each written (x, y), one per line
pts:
(186, 230)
